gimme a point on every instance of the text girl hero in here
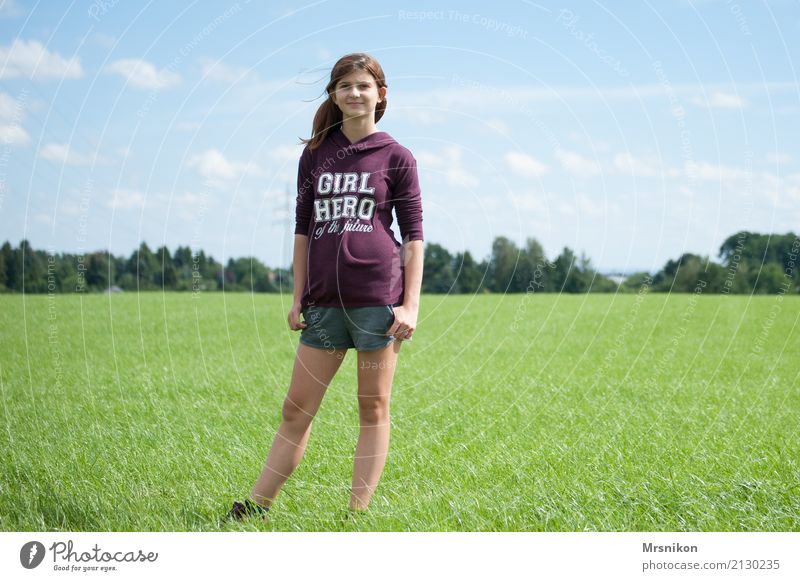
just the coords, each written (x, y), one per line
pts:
(354, 283)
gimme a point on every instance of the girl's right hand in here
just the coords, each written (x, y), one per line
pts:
(295, 324)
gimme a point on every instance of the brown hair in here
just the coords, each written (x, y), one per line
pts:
(329, 116)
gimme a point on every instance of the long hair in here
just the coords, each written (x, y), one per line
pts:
(329, 116)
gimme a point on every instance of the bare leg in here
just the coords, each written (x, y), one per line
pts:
(313, 371)
(375, 374)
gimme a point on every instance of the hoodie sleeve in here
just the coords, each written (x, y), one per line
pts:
(408, 199)
(305, 194)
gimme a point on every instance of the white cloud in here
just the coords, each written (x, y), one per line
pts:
(528, 202)
(286, 153)
(143, 75)
(463, 93)
(213, 164)
(449, 165)
(217, 70)
(576, 164)
(587, 142)
(634, 166)
(29, 59)
(187, 126)
(720, 100)
(778, 157)
(525, 165)
(43, 218)
(11, 108)
(584, 204)
(10, 9)
(628, 164)
(100, 39)
(14, 135)
(587, 205)
(126, 199)
(499, 126)
(63, 153)
(420, 115)
(713, 172)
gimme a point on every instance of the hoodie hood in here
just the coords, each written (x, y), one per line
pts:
(372, 141)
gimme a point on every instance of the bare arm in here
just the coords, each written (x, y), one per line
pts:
(405, 317)
(300, 265)
(300, 271)
(414, 255)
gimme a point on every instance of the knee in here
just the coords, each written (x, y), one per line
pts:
(293, 414)
(373, 410)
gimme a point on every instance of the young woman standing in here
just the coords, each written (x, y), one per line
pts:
(354, 283)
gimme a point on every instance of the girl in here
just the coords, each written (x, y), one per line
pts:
(354, 283)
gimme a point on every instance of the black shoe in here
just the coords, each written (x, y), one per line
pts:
(241, 511)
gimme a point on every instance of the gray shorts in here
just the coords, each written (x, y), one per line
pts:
(362, 328)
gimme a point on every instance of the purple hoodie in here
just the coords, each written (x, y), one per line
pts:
(345, 195)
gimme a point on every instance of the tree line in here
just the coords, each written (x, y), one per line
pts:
(748, 263)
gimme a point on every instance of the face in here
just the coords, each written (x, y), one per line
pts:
(357, 94)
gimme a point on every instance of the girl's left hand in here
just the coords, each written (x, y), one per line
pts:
(405, 322)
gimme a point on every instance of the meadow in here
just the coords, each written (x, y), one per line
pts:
(524, 412)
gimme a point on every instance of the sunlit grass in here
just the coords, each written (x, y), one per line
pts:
(154, 412)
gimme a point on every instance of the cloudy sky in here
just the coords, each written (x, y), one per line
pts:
(630, 131)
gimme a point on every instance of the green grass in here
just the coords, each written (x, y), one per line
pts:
(154, 412)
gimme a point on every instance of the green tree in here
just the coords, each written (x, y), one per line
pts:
(503, 265)
(143, 267)
(568, 274)
(13, 260)
(3, 268)
(636, 282)
(165, 277)
(438, 275)
(468, 273)
(533, 269)
(97, 271)
(771, 280)
(34, 269)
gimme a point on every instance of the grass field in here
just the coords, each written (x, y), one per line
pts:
(645, 412)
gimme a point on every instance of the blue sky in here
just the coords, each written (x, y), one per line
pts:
(630, 131)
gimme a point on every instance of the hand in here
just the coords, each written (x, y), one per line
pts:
(405, 323)
(295, 324)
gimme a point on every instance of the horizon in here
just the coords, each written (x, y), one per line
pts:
(630, 133)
